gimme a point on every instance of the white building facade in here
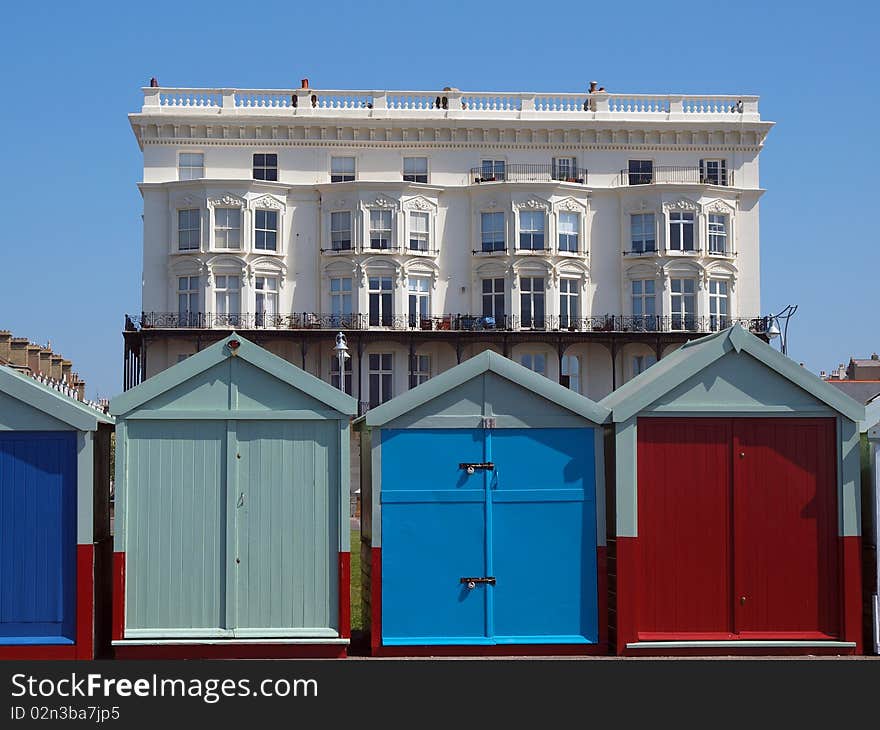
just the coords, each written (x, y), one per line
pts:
(583, 235)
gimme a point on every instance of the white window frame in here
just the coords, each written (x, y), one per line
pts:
(565, 371)
(385, 299)
(531, 233)
(565, 169)
(180, 229)
(350, 229)
(530, 360)
(277, 230)
(639, 175)
(678, 220)
(532, 320)
(381, 212)
(189, 316)
(266, 300)
(343, 174)
(494, 231)
(493, 169)
(719, 300)
(349, 374)
(416, 173)
(188, 175)
(643, 238)
(577, 232)
(229, 316)
(384, 377)
(569, 302)
(418, 299)
(719, 231)
(720, 173)
(684, 319)
(420, 236)
(421, 370)
(341, 300)
(493, 297)
(226, 228)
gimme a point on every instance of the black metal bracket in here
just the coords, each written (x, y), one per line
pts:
(489, 579)
(477, 465)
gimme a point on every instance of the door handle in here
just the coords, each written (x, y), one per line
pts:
(471, 466)
(240, 502)
(471, 583)
(742, 600)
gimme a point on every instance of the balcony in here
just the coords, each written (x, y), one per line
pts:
(447, 104)
(678, 175)
(529, 173)
(603, 323)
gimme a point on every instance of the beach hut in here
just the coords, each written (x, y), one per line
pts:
(483, 516)
(232, 526)
(54, 522)
(736, 497)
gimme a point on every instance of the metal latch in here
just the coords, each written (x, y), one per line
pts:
(471, 467)
(471, 583)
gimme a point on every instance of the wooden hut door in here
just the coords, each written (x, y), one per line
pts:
(785, 528)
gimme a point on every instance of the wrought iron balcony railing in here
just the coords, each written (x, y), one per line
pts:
(443, 323)
(522, 172)
(681, 174)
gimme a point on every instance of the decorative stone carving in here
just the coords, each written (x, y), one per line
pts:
(719, 206)
(267, 201)
(681, 204)
(382, 202)
(418, 204)
(227, 200)
(533, 204)
(571, 205)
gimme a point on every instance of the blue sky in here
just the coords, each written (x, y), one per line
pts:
(70, 240)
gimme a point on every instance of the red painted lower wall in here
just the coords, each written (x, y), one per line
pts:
(345, 595)
(628, 571)
(84, 646)
(851, 586)
(118, 596)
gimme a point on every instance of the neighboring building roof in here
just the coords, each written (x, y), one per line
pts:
(217, 353)
(859, 390)
(50, 401)
(485, 362)
(694, 356)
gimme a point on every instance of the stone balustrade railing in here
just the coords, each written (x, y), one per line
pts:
(450, 104)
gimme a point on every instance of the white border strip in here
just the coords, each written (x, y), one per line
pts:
(737, 643)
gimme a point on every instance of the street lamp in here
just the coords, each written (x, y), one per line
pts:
(341, 351)
(773, 329)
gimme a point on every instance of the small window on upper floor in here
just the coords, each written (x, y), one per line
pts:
(415, 169)
(641, 172)
(713, 172)
(266, 166)
(492, 170)
(566, 169)
(266, 230)
(341, 169)
(190, 165)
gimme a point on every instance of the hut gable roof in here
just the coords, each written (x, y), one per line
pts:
(49, 401)
(486, 362)
(196, 365)
(696, 355)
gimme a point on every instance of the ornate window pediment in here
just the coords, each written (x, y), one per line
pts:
(267, 201)
(420, 203)
(719, 206)
(382, 201)
(227, 200)
(681, 204)
(532, 203)
(644, 270)
(570, 205)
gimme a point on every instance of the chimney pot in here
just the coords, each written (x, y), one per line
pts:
(875, 356)
(593, 85)
(304, 83)
(154, 83)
